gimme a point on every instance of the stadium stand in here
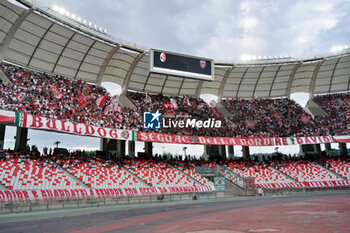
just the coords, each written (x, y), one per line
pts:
(99, 173)
(181, 107)
(261, 172)
(61, 98)
(340, 166)
(337, 107)
(303, 170)
(267, 118)
(158, 173)
(26, 171)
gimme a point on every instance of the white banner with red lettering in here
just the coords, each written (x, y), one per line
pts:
(312, 184)
(37, 122)
(345, 139)
(185, 139)
(59, 194)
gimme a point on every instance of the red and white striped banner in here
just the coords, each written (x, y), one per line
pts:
(52, 194)
(311, 184)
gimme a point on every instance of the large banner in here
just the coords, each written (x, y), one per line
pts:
(52, 194)
(184, 139)
(37, 122)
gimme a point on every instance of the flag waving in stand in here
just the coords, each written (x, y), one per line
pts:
(305, 119)
(56, 92)
(187, 101)
(169, 109)
(148, 99)
(100, 101)
(250, 124)
(81, 99)
(173, 101)
(86, 90)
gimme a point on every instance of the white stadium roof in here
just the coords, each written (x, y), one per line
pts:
(37, 39)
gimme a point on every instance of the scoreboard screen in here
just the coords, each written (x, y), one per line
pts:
(181, 65)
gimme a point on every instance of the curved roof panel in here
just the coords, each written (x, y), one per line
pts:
(40, 40)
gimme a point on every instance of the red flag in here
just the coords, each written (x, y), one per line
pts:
(56, 92)
(81, 99)
(305, 119)
(216, 113)
(86, 89)
(212, 104)
(250, 124)
(6, 119)
(148, 99)
(100, 101)
(169, 109)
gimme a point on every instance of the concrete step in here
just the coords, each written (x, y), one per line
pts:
(223, 110)
(314, 109)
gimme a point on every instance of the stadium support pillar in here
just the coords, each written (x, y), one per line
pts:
(206, 154)
(131, 149)
(149, 148)
(222, 151)
(230, 152)
(343, 149)
(246, 153)
(328, 148)
(2, 136)
(306, 148)
(121, 148)
(21, 139)
(103, 144)
(317, 149)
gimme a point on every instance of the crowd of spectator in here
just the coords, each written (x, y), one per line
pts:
(58, 97)
(337, 108)
(280, 118)
(32, 92)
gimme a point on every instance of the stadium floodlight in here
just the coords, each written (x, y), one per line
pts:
(100, 29)
(90, 24)
(84, 22)
(79, 19)
(62, 11)
(67, 14)
(56, 8)
(74, 16)
(265, 57)
(95, 27)
(338, 48)
(105, 31)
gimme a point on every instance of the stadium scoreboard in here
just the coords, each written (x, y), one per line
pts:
(170, 63)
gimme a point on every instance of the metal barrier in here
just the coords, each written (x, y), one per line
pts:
(18, 206)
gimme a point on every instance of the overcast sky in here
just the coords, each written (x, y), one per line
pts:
(220, 29)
